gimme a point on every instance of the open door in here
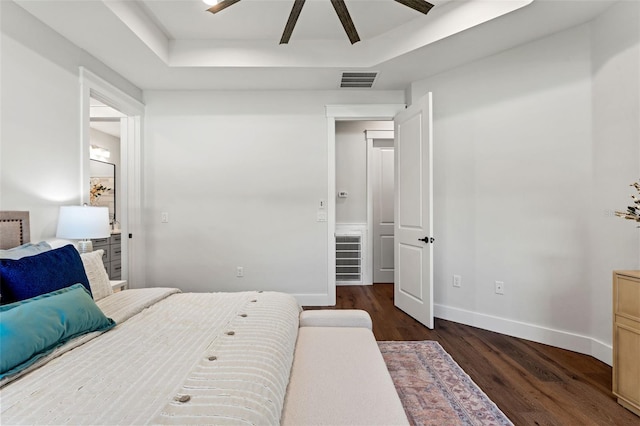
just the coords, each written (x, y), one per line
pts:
(413, 254)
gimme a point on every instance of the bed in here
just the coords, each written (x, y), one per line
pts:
(161, 356)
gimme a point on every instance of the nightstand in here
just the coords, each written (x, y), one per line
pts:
(119, 285)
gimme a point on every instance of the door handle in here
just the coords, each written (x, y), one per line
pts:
(427, 240)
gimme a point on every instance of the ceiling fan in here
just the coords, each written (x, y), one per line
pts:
(340, 8)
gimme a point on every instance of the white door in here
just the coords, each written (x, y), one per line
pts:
(383, 211)
(413, 279)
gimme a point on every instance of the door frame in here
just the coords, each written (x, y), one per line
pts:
(92, 86)
(370, 136)
(344, 113)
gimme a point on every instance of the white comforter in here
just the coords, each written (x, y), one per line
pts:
(190, 358)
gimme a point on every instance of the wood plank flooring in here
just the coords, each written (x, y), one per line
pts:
(532, 383)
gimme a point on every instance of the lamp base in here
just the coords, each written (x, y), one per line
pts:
(85, 246)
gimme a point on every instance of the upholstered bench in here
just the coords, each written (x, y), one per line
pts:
(339, 376)
(336, 318)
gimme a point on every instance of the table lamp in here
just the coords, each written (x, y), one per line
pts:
(83, 223)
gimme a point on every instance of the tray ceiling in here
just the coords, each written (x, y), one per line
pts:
(177, 44)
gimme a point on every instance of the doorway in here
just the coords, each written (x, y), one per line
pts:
(364, 202)
(412, 205)
(124, 112)
(105, 169)
(336, 113)
(105, 180)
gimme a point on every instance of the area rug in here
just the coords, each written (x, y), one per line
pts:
(434, 389)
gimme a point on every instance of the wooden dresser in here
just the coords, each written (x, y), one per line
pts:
(626, 339)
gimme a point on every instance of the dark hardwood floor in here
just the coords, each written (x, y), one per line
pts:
(532, 383)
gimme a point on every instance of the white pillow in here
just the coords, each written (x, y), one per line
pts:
(28, 249)
(57, 243)
(98, 278)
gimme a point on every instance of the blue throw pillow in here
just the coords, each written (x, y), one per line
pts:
(41, 273)
(33, 328)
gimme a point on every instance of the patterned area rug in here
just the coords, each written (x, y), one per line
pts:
(434, 389)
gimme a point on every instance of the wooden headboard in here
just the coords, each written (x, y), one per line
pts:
(14, 229)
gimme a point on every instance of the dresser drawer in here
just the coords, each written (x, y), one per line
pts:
(115, 272)
(100, 243)
(626, 374)
(627, 297)
(115, 252)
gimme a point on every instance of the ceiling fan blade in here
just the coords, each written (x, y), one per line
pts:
(291, 22)
(222, 5)
(419, 5)
(345, 19)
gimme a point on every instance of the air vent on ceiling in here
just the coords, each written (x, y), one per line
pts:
(356, 79)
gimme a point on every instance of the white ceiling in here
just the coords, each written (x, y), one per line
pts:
(177, 44)
(265, 20)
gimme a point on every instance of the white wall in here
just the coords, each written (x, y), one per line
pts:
(40, 164)
(616, 154)
(351, 168)
(527, 169)
(241, 175)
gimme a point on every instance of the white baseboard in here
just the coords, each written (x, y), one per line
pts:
(558, 338)
(601, 351)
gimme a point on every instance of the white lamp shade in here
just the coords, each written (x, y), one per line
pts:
(83, 222)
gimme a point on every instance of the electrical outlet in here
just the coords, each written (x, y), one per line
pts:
(499, 287)
(457, 281)
(239, 272)
(164, 217)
